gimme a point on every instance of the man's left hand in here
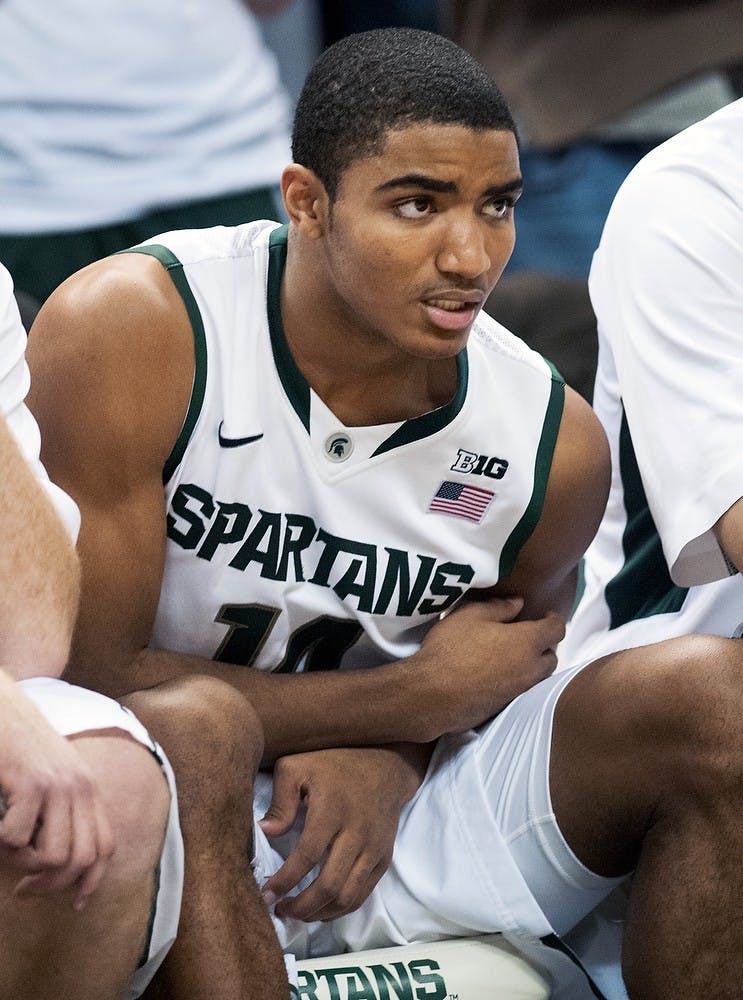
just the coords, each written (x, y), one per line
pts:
(353, 798)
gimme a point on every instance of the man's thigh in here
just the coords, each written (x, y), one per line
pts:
(479, 849)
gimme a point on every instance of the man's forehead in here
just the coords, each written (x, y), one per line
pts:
(445, 155)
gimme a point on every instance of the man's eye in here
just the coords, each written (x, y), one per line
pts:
(498, 209)
(414, 208)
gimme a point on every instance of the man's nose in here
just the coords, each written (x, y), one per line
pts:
(464, 249)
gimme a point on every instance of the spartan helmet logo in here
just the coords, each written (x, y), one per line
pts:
(338, 447)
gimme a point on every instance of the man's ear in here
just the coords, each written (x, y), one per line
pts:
(305, 199)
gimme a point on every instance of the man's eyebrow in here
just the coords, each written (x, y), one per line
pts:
(425, 183)
(508, 188)
(419, 181)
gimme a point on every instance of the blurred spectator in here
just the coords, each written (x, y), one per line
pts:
(593, 88)
(126, 118)
(340, 19)
(293, 31)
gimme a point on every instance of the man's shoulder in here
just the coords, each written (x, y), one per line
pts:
(189, 247)
(506, 356)
(702, 162)
(495, 343)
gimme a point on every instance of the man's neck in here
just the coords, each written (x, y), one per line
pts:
(363, 380)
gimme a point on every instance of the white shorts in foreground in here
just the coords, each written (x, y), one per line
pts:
(73, 710)
(478, 852)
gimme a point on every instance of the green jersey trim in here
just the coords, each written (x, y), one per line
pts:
(542, 466)
(175, 269)
(429, 423)
(296, 386)
(643, 586)
(294, 383)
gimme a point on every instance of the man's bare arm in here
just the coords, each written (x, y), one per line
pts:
(39, 572)
(545, 573)
(52, 827)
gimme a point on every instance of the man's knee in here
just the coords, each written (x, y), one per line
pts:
(214, 741)
(201, 718)
(684, 695)
(698, 701)
(644, 730)
(675, 709)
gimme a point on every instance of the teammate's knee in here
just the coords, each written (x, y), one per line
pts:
(135, 797)
(686, 709)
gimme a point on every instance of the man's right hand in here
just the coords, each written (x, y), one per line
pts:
(477, 659)
(53, 830)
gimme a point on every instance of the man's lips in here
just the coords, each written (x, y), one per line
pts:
(453, 309)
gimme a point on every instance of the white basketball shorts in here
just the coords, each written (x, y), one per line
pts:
(478, 849)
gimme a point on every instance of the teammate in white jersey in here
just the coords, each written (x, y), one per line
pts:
(667, 287)
(347, 446)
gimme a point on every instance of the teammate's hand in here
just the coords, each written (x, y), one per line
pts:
(53, 830)
(477, 659)
(353, 798)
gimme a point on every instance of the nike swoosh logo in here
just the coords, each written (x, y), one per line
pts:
(236, 442)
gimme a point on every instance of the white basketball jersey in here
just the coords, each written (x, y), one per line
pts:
(669, 303)
(296, 542)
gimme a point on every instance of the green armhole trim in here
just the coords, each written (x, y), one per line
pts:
(542, 465)
(643, 586)
(175, 269)
(554, 942)
(295, 384)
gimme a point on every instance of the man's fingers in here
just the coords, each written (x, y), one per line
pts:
(553, 627)
(53, 840)
(307, 854)
(324, 889)
(21, 817)
(358, 888)
(89, 882)
(85, 857)
(336, 891)
(285, 801)
(104, 848)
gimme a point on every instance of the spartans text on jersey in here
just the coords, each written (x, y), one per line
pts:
(291, 547)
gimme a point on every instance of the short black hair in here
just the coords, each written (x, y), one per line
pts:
(369, 83)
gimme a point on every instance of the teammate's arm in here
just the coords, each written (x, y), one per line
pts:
(729, 534)
(38, 569)
(53, 831)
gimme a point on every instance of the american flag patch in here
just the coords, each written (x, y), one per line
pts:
(459, 500)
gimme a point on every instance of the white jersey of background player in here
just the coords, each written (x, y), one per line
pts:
(667, 288)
